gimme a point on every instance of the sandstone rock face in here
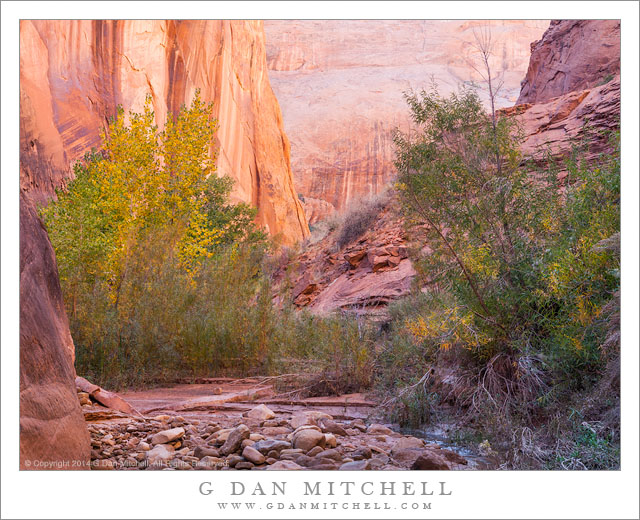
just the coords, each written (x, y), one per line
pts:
(340, 84)
(362, 277)
(557, 124)
(572, 55)
(73, 74)
(573, 77)
(52, 427)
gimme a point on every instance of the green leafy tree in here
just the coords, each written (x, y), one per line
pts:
(141, 183)
(511, 256)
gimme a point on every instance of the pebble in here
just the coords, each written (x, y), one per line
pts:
(311, 442)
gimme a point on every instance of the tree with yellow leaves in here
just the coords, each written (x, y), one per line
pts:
(142, 183)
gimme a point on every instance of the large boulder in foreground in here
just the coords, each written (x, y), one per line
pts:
(52, 426)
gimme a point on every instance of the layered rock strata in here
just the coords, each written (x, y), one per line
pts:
(571, 93)
(73, 74)
(572, 55)
(340, 84)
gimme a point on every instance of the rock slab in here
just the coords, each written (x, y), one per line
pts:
(52, 426)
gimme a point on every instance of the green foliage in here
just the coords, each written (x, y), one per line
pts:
(147, 245)
(141, 183)
(163, 277)
(515, 274)
(585, 446)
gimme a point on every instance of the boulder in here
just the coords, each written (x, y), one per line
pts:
(261, 413)
(354, 258)
(276, 430)
(308, 418)
(104, 397)
(284, 465)
(308, 439)
(330, 440)
(247, 442)
(253, 455)
(291, 451)
(452, 456)
(204, 451)
(379, 429)
(235, 438)
(161, 453)
(330, 454)
(166, 436)
(407, 443)
(358, 424)
(407, 456)
(430, 460)
(52, 425)
(268, 445)
(361, 453)
(329, 426)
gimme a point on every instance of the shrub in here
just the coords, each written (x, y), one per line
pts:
(359, 219)
(515, 278)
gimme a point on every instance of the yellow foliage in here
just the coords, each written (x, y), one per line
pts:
(453, 328)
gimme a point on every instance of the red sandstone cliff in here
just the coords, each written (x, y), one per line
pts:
(340, 85)
(571, 55)
(52, 427)
(573, 80)
(74, 73)
(369, 273)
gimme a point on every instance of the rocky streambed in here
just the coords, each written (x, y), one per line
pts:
(215, 434)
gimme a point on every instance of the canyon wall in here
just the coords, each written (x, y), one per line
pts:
(74, 73)
(340, 85)
(52, 427)
(573, 78)
(571, 55)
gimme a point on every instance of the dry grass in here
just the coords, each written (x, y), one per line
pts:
(359, 218)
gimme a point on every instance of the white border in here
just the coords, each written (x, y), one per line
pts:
(173, 495)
